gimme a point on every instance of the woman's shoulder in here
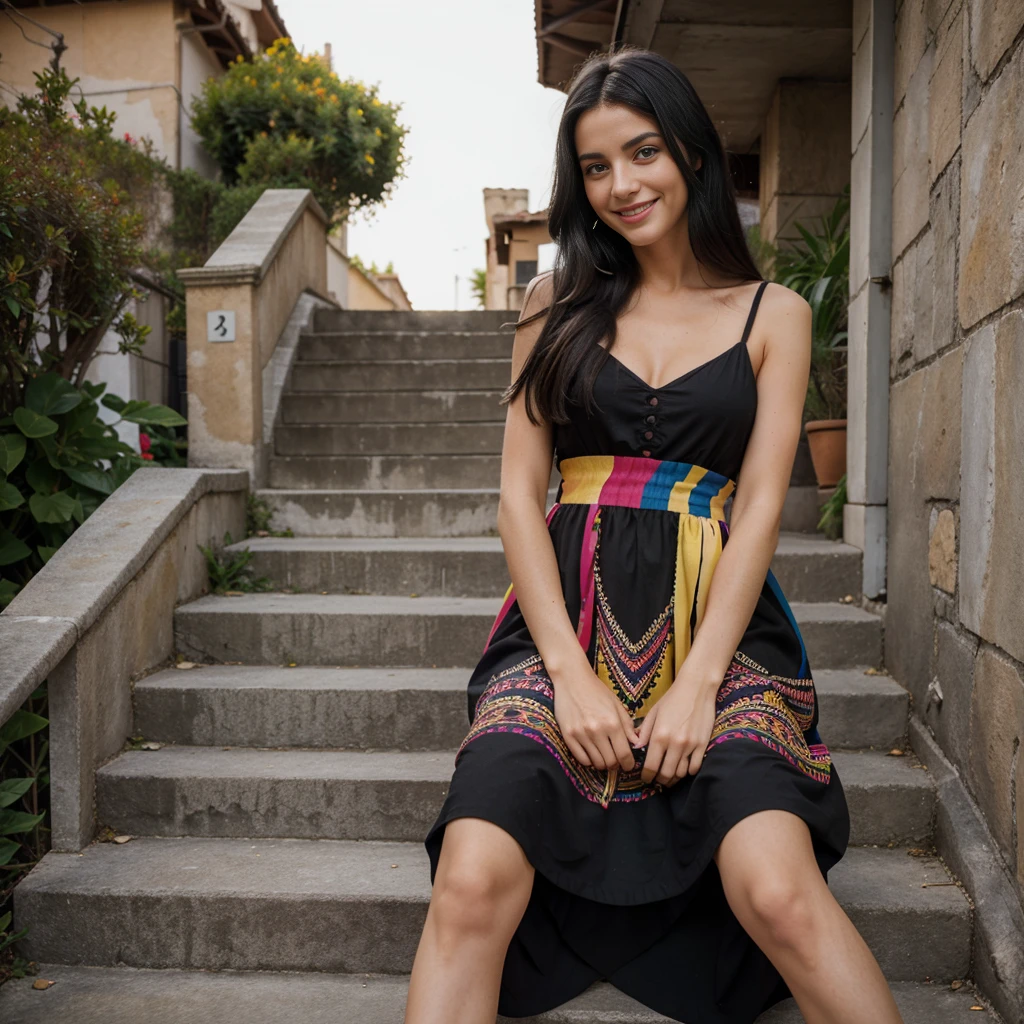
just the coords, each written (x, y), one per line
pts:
(539, 294)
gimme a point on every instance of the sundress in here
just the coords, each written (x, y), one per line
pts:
(625, 886)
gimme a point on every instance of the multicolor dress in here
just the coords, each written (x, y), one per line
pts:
(625, 887)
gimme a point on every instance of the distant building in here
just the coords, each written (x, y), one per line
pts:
(514, 238)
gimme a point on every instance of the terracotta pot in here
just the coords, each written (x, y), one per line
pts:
(827, 441)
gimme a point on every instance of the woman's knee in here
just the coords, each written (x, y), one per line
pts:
(483, 881)
(780, 909)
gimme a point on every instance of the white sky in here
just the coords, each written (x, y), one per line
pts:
(465, 72)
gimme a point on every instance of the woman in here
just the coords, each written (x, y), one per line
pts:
(643, 795)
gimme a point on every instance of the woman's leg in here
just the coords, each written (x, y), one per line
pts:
(481, 888)
(775, 889)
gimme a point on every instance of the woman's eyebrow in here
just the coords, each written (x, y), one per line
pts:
(625, 145)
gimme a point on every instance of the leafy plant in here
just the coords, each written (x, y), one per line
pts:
(287, 120)
(58, 461)
(73, 230)
(819, 270)
(831, 521)
(24, 786)
(231, 572)
(478, 286)
(258, 514)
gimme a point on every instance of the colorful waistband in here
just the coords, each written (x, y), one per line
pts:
(641, 482)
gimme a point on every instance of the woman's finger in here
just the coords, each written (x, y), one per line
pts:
(623, 752)
(578, 751)
(646, 726)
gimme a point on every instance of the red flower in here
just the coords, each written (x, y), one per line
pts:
(144, 441)
(147, 455)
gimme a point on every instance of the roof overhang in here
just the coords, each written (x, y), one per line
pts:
(734, 51)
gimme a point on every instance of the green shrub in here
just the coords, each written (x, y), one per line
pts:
(58, 461)
(286, 120)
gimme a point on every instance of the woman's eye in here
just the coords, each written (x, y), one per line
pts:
(592, 166)
(651, 149)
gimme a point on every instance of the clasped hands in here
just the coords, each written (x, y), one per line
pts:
(599, 731)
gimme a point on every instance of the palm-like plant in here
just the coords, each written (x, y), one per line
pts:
(819, 270)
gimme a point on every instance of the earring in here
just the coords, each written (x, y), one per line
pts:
(610, 273)
(594, 225)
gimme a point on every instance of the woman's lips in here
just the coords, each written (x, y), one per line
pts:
(638, 213)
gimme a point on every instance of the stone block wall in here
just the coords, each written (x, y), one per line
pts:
(955, 579)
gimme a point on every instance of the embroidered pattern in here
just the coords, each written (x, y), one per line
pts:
(521, 700)
(752, 704)
(633, 670)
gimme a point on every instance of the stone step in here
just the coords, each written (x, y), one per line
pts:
(129, 995)
(299, 407)
(338, 794)
(386, 513)
(390, 438)
(386, 473)
(405, 345)
(349, 629)
(807, 568)
(400, 375)
(439, 321)
(415, 708)
(353, 907)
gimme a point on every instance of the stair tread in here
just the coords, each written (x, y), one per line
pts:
(789, 543)
(390, 604)
(881, 880)
(126, 995)
(848, 681)
(861, 769)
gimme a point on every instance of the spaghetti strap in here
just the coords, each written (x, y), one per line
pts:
(753, 311)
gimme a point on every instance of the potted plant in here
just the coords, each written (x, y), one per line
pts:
(819, 270)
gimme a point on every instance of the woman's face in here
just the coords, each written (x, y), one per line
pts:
(630, 178)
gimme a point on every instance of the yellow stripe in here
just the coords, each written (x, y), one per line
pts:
(698, 548)
(587, 476)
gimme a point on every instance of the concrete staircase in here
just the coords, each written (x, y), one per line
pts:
(278, 829)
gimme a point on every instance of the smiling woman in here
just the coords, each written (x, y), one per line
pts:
(643, 795)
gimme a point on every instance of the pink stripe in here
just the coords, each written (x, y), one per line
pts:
(584, 627)
(510, 600)
(627, 480)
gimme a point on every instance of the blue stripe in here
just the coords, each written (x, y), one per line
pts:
(777, 591)
(700, 497)
(657, 490)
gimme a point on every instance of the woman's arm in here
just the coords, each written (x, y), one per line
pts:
(680, 730)
(593, 722)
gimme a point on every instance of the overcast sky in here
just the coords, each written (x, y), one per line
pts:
(465, 72)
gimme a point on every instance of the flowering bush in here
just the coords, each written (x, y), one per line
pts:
(286, 120)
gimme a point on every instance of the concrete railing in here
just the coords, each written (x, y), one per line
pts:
(264, 277)
(100, 614)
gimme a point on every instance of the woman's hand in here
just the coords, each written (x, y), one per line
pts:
(677, 730)
(593, 721)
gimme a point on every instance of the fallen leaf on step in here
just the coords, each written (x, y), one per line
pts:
(291, 664)
(234, 593)
(122, 839)
(150, 745)
(872, 672)
(185, 664)
(976, 1007)
(42, 983)
(955, 985)
(896, 752)
(394, 865)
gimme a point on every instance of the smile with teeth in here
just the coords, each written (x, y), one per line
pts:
(636, 209)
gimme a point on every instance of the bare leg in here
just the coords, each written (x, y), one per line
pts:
(481, 888)
(775, 889)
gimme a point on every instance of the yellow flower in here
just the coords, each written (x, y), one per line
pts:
(359, 112)
(334, 75)
(334, 98)
(377, 131)
(369, 159)
(272, 123)
(316, 81)
(275, 85)
(375, 101)
(321, 91)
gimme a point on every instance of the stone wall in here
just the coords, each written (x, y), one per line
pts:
(955, 592)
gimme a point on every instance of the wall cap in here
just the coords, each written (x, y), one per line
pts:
(248, 253)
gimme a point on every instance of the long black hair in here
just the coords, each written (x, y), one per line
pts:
(586, 302)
